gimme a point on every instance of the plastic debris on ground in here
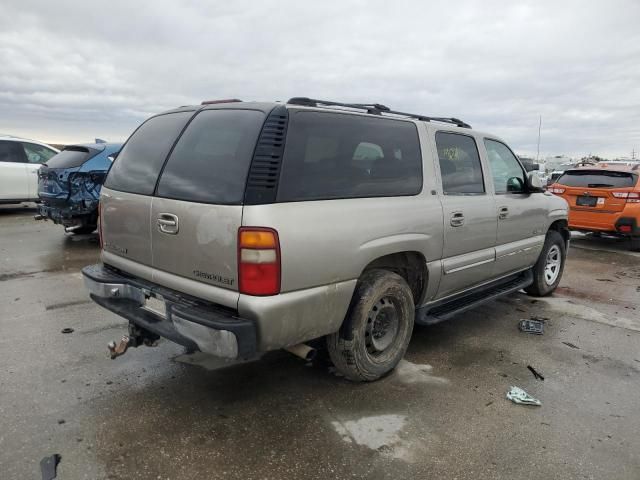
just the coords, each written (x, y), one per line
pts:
(536, 374)
(48, 466)
(519, 396)
(531, 326)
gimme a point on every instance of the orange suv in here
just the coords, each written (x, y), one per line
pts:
(603, 198)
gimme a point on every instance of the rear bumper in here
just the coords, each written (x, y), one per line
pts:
(605, 221)
(67, 217)
(189, 321)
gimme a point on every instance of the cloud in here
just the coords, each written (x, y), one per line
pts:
(75, 70)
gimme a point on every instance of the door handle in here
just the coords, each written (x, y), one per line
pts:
(503, 212)
(168, 223)
(457, 219)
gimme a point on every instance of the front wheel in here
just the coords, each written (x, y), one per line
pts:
(377, 329)
(547, 271)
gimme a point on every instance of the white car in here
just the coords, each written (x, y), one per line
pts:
(20, 160)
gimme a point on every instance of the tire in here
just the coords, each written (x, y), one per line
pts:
(635, 244)
(545, 277)
(377, 328)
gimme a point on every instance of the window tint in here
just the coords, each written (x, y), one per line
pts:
(137, 167)
(331, 155)
(71, 157)
(12, 152)
(37, 153)
(507, 173)
(211, 160)
(597, 179)
(460, 165)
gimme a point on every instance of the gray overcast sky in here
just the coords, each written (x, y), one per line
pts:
(75, 70)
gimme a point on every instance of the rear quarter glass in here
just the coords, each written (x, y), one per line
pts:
(139, 163)
(210, 162)
(332, 155)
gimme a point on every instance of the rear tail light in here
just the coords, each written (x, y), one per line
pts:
(632, 197)
(557, 190)
(258, 261)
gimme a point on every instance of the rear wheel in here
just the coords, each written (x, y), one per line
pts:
(377, 328)
(635, 244)
(547, 271)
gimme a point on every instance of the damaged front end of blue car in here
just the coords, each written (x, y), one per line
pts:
(69, 185)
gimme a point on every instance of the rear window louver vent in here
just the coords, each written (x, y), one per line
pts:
(262, 182)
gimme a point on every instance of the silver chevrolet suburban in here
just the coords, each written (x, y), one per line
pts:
(235, 228)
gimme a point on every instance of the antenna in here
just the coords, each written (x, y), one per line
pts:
(539, 128)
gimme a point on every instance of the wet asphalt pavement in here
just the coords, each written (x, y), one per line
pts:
(156, 413)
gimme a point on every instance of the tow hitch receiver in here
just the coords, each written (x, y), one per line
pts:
(137, 336)
(119, 349)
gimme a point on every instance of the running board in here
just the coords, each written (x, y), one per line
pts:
(446, 309)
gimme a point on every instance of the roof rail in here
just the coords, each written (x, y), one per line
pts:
(373, 109)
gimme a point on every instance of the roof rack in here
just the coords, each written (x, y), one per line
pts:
(374, 109)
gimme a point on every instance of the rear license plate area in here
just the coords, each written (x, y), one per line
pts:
(156, 305)
(586, 201)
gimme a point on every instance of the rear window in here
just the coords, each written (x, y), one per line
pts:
(210, 162)
(597, 179)
(137, 167)
(71, 157)
(347, 156)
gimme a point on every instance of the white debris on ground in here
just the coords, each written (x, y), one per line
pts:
(408, 372)
(373, 432)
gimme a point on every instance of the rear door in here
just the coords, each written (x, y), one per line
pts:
(197, 210)
(469, 215)
(128, 192)
(521, 215)
(14, 183)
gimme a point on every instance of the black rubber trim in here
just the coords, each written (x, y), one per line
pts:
(635, 229)
(264, 172)
(146, 320)
(185, 306)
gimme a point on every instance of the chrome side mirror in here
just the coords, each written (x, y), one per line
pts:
(534, 184)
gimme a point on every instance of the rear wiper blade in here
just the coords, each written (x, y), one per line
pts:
(596, 185)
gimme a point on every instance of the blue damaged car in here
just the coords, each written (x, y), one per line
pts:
(69, 185)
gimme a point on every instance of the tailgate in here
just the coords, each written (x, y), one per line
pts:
(594, 200)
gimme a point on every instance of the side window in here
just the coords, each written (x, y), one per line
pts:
(139, 163)
(37, 153)
(12, 152)
(460, 165)
(329, 155)
(507, 173)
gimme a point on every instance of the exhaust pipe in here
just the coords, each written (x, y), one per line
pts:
(303, 351)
